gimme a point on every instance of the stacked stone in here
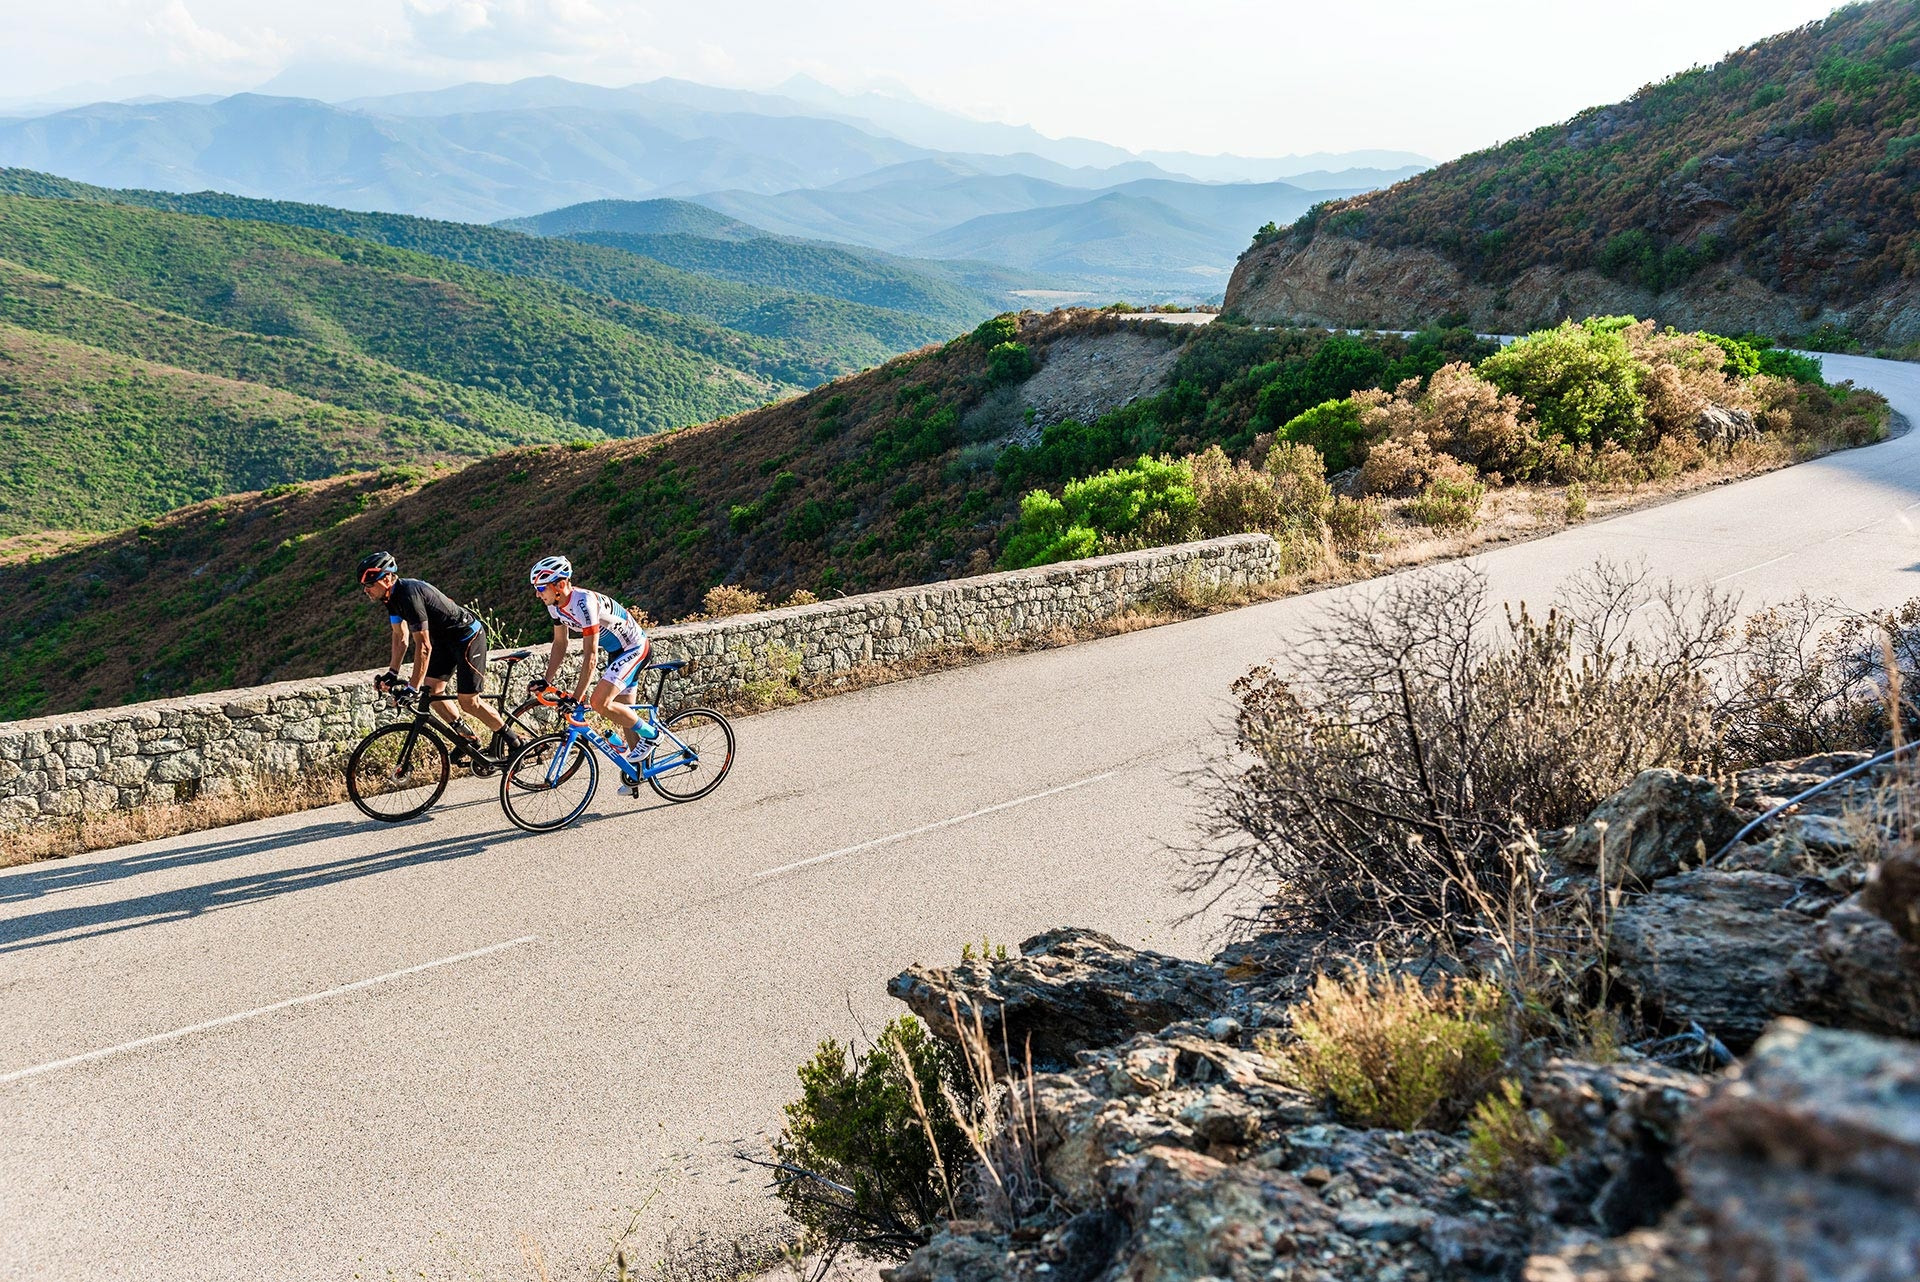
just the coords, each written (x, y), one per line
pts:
(174, 750)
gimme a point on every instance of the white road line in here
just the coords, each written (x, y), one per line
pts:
(1750, 569)
(943, 823)
(224, 1020)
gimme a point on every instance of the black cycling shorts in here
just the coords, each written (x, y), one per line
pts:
(465, 656)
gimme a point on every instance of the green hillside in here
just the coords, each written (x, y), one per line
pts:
(826, 336)
(96, 440)
(1792, 165)
(639, 218)
(814, 267)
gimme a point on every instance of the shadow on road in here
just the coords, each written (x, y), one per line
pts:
(66, 925)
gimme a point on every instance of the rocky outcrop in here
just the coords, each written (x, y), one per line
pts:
(1337, 280)
(1656, 825)
(1087, 375)
(1805, 1163)
(1066, 991)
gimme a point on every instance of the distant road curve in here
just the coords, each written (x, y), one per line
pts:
(316, 1045)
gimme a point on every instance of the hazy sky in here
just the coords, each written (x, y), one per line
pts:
(1279, 76)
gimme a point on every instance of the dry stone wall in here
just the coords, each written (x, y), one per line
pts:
(172, 750)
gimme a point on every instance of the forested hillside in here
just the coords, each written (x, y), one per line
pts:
(450, 360)
(1777, 189)
(824, 329)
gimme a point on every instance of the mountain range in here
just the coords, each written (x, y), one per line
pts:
(869, 170)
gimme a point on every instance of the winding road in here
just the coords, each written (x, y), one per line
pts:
(318, 1047)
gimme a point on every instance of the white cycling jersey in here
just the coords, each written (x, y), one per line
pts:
(583, 611)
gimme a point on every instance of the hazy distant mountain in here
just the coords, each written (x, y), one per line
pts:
(475, 165)
(636, 217)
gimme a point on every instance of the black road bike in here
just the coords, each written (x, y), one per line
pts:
(401, 768)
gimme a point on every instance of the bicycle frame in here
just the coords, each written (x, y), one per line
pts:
(654, 768)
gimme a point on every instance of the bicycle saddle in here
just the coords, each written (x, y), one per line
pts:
(516, 656)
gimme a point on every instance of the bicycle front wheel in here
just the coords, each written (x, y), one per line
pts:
(544, 785)
(534, 718)
(396, 772)
(707, 757)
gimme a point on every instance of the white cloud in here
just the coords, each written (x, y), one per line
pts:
(188, 43)
(488, 29)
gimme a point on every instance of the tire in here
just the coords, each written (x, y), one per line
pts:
(706, 733)
(537, 803)
(397, 772)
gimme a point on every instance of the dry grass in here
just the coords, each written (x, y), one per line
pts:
(1386, 1050)
(263, 798)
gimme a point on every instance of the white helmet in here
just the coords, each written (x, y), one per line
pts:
(550, 570)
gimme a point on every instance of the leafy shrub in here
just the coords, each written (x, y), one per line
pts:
(1407, 465)
(1396, 772)
(869, 1175)
(1003, 328)
(1151, 502)
(1238, 498)
(1448, 504)
(1576, 503)
(1579, 381)
(1009, 363)
(1386, 1051)
(1506, 1139)
(1333, 428)
(1781, 363)
(1357, 524)
(1457, 413)
(1742, 357)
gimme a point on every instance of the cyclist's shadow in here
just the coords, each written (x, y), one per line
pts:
(66, 925)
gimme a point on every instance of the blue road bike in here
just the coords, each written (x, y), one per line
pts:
(551, 780)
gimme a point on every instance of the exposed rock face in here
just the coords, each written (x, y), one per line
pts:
(1806, 1164)
(1719, 425)
(1735, 950)
(1336, 280)
(1068, 990)
(1625, 1119)
(1088, 375)
(1656, 825)
(1892, 893)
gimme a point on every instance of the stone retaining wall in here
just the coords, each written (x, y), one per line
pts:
(174, 750)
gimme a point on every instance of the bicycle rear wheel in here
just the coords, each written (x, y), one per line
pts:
(396, 772)
(709, 741)
(544, 786)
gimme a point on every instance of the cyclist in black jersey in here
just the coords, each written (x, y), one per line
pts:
(448, 641)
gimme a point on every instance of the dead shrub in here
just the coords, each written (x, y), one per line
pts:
(725, 599)
(1238, 498)
(1385, 1050)
(1810, 677)
(1406, 465)
(1393, 777)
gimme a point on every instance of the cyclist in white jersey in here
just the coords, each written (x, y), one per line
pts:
(602, 623)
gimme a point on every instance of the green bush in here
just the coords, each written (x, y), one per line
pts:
(1743, 358)
(1506, 1139)
(1151, 502)
(855, 1124)
(1333, 428)
(1009, 363)
(1781, 363)
(1448, 504)
(1580, 381)
(1003, 328)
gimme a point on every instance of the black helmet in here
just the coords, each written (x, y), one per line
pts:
(378, 565)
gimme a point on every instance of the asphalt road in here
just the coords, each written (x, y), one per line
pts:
(444, 1048)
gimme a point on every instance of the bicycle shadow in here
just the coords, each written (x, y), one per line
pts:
(91, 921)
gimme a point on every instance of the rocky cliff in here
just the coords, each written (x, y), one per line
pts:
(1339, 281)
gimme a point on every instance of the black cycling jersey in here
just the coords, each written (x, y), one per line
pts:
(421, 605)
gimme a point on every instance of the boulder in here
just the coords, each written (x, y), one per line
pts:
(1066, 991)
(1724, 425)
(1805, 1162)
(1712, 947)
(1659, 823)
